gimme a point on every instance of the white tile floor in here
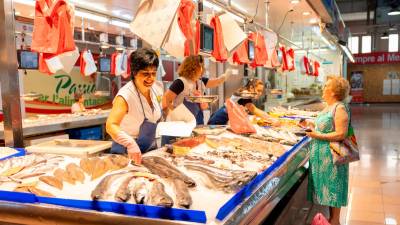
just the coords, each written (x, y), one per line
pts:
(375, 180)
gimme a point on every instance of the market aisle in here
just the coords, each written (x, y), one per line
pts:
(375, 179)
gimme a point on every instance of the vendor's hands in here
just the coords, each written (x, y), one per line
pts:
(134, 153)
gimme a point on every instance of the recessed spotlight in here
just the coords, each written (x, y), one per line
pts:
(306, 13)
(313, 21)
(295, 1)
(394, 12)
(90, 28)
(17, 13)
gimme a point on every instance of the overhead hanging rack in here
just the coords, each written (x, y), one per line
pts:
(247, 19)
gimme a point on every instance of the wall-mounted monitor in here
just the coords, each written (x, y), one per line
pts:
(206, 38)
(28, 60)
(250, 50)
(104, 64)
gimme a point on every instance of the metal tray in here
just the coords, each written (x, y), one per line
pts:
(202, 99)
(247, 95)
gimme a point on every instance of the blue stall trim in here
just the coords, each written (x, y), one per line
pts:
(21, 197)
(155, 212)
(297, 117)
(247, 190)
(21, 152)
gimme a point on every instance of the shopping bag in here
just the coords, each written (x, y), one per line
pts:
(260, 50)
(219, 53)
(175, 40)
(319, 219)
(64, 61)
(238, 118)
(345, 151)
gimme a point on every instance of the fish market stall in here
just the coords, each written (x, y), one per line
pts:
(243, 176)
(43, 124)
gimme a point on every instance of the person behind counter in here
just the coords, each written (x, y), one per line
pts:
(328, 183)
(136, 109)
(78, 106)
(220, 117)
(191, 82)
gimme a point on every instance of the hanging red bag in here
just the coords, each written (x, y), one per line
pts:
(219, 53)
(240, 56)
(113, 63)
(185, 14)
(290, 59)
(284, 65)
(82, 63)
(319, 219)
(316, 68)
(238, 118)
(260, 50)
(304, 65)
(274, 59)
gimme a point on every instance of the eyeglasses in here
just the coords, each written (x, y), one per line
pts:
(149, 73)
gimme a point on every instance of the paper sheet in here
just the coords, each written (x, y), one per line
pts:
(233, 34)
(175, 128)
(181, 113)
(387, 86)
(395, 87)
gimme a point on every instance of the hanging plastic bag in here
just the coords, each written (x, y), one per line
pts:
(113, 63)
(238, 118)
(304, 65)
(185, 14)
(233, 33)
(275, 59)
(316, 68)
(219, 53)
(240, 56)
(89, 63)
(260, 50)
(319, 219)
(174, 40)
(290, 59)
(284, 65)
(64, 61)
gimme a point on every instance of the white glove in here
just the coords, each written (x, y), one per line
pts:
(227, 74)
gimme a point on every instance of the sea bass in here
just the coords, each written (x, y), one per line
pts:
(158, 196)
(183, 197)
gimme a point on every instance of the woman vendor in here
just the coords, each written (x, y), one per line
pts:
(220, 117)
(136, 108)
(191, 82)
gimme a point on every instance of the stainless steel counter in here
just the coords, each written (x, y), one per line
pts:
(59, 124)
(252, 211)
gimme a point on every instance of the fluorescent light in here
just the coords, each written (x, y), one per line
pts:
(127, 16)
(17, 13)
(26, 2)
(393, 42)
(295, 1)
(394, 12)
(348, 53)
(119, 23)
(212, 6)
(120, 48)
(306, 13)
(385, 36)
(91, 16)
(318, 33)
(313, 20)
(239, 7)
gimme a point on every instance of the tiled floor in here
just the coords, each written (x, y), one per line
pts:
(375, 180)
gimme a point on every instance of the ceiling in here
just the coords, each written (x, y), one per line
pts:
(285, 18)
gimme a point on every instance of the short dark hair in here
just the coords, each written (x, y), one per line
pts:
(141, 59)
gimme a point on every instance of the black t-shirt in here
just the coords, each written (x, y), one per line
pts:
(244, 101)
(177, 86)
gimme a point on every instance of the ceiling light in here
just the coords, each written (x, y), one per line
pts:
(394, 12)
(127, 16)
(306, 13)
(104, 45)
(295, 1)
(17, 13)
(313, 21)
(120, 48)
(385, 36)
(119, 23)
(91, 16)
(26, 2)
(212, 6)
(90, 28)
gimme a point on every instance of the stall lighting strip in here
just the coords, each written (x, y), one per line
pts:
(319, 34)
(348, 53)
(91, 16)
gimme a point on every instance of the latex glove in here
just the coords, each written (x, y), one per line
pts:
(131, 146)
(227, 74)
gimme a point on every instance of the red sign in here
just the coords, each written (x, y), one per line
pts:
(377, 58)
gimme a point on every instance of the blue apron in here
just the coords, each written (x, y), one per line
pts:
(146, 137)
(220, 117)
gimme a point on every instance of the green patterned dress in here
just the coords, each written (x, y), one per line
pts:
(327, 183)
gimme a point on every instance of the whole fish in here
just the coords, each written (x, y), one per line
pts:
(183, 197)
(141, 188)
(163, 168)
(124, 193)
(226, 180)
(102, 191)
(158, 196)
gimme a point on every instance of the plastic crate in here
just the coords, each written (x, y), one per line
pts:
(87, 133)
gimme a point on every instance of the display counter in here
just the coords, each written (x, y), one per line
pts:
(250, 205)
(44, 124)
